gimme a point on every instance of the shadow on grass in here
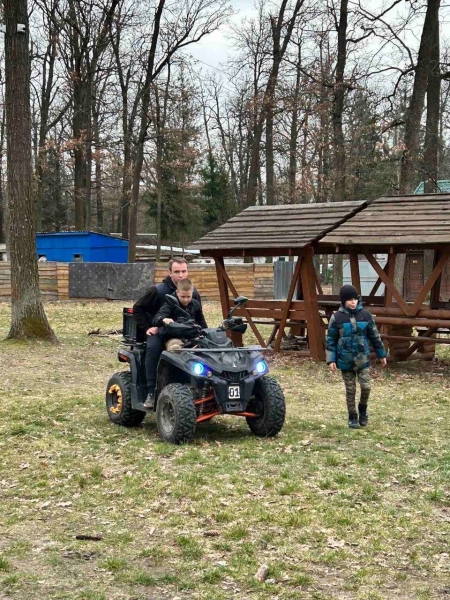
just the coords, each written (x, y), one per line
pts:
(221, 429)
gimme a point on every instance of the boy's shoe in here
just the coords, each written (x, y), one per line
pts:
(353, 422)
(150, 400)
(363, 415)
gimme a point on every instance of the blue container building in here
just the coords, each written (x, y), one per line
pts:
(81, 246)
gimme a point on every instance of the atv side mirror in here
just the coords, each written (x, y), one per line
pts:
(172, 300)
(239, 301)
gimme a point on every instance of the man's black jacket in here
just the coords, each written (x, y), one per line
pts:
(167, 311)
(145, 309)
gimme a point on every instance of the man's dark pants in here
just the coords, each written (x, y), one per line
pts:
(152, 354)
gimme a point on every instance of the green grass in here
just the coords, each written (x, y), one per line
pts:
(334, 513)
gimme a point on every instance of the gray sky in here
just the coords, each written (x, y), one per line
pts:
(214, 49)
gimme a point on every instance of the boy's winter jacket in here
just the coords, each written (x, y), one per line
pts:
(167, 311)
(348, 337)
(145, 309)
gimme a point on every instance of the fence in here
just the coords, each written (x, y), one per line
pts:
(251, 280)
(113, 281)
(53, 281)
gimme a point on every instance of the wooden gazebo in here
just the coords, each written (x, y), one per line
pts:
(288, 230)
(389, 225)
(401, 225)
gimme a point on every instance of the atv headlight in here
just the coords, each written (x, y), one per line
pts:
(198, 368)
(261, 367)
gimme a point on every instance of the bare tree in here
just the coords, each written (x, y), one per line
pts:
(431, 144)
(172, 31)
(281, 27)
(28, 316)
(410, 158)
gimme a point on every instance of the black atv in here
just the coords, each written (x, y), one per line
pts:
(206, 377)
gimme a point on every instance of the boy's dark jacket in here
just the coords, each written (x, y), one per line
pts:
(145, 309)
(348, 337)
(167, 311)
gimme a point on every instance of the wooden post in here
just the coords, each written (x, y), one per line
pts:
(354, 268)
(316, 331)
(236, 338)
(223, 288)
(390, 272)
(435, 295)
(388, 301)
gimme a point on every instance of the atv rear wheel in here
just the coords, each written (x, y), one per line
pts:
(175, 414)
(268, 402)
(118, 401)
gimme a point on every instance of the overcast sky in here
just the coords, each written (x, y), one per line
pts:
(215, 48)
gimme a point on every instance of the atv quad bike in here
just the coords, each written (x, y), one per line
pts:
(206, 377)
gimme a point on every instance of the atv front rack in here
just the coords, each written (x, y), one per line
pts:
(199, 349)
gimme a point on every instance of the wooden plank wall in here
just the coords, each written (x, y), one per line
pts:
(251, 280)
(53, 281)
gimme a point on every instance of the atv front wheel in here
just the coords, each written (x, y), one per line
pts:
(269, 404)
(175, 414)
(118, 401)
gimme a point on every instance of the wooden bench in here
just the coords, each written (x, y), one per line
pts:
(275, 323)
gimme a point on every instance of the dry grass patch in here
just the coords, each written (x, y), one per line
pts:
(334, 513)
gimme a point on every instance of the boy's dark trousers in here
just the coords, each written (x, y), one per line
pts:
(349, 378)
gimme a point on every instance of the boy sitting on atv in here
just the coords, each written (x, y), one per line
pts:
(168, 313)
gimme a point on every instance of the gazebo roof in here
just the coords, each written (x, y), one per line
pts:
(277, 228)
(410, 220)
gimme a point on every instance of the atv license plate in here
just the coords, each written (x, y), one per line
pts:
(234, 392)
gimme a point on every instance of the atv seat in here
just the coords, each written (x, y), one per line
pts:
(132, 335)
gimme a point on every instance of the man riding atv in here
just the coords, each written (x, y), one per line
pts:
(207, 376)
(144, 312)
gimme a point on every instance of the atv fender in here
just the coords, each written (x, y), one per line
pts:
(177, 360)
(138, 392)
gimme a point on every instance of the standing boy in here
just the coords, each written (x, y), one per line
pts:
(350, 330)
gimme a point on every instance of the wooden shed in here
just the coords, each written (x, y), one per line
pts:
(390, 225)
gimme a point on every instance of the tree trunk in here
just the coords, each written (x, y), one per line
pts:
(338, 132)
(98, 169)
(279, 49)
(79, 135)
(338, 107)
(3, 220)
(431, 150)
(294, 131)
(270, 178)
(28, 317)
(145, 121)
(409, 164)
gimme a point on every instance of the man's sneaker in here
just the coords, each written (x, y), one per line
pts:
(363, 416)
(150, 400)
(353, 422)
